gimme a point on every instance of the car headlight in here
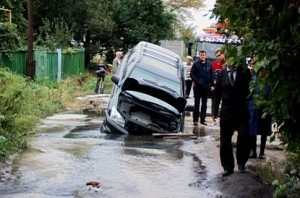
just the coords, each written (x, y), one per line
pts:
(116, 117)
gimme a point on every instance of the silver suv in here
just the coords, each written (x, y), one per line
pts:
(148, 93)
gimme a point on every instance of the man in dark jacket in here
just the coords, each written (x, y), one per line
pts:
(202, 76)
(101, 72)
(232, 86)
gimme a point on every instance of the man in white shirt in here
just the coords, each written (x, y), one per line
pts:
(117, 61)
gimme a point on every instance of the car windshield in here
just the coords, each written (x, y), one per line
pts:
(160, 79)
(153, 100)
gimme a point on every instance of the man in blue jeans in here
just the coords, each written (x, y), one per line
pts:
(202, 76)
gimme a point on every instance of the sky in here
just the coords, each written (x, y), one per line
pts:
(201, 16)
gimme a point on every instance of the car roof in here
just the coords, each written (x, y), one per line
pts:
(159, 53)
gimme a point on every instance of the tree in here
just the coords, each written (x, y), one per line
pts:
(183, 12)
(90, 21)
(142, 20)
(13, 36)
(109, 24)
(187, 34)
(271, 32)
(182, 9)
(54, 34)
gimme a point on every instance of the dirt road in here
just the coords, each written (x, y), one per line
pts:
(206, 147)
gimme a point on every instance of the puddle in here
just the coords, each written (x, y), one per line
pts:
(60, 162)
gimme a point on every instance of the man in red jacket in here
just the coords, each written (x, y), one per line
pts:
(217, 66)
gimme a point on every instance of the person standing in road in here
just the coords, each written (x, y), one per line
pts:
(232, 87)
(202, 77)
(101, 72)
(217, 66)
(117, 61)
(187, 75)
(259, 125)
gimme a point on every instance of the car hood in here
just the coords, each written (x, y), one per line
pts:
(154, 89)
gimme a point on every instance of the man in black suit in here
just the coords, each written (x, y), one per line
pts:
(232, 86)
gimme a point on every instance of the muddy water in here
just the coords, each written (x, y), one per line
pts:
(66, 154)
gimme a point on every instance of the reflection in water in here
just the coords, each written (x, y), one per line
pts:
(84, 131)
(199, 131)
(135, 166)
(148, 145)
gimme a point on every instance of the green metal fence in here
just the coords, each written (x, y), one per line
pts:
(51, 65)
(15, 61)
(72, 63)
(46, 65)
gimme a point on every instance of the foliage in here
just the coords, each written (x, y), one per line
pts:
(9, 37)
(290, 186)
(101, 23)
(19, 15)
(151, 22)
(174, 5)
(23, 103)
(183, 12)
(89, 84)
(182, 9)
(186, 34)
(13, 36)
(271, 33)
(54, 34)
(268, 173)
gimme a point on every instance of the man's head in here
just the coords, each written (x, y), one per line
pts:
(231, 63)
(220, 57)
(119, 54)
(101, 61)
(202, 55)
(189, 59)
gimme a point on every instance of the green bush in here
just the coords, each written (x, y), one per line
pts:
(289, 187)
(22, 104)
(9, 37)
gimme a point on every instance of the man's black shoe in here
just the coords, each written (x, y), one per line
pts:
(203, 123)
(241, 168)
(262, 156)
(227, 173)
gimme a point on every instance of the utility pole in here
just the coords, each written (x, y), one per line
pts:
(30, 67)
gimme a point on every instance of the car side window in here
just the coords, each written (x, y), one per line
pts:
(127, 62)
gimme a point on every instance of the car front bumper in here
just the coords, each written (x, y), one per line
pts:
(110, 126)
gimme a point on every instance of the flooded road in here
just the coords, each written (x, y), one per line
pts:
(69, 151)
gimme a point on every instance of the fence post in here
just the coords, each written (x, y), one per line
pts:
(58, 64)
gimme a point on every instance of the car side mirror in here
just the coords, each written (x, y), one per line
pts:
(115, 79)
